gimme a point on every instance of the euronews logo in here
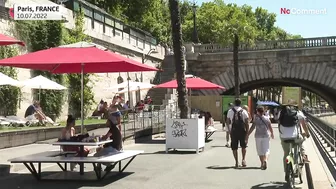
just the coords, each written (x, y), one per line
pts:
(297, 11)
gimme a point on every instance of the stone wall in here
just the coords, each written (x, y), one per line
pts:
(99, 81)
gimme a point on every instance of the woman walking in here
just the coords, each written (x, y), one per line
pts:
(262, 135)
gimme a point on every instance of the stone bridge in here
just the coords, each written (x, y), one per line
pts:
(308, 63)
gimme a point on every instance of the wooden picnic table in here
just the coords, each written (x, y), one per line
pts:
(81, 148)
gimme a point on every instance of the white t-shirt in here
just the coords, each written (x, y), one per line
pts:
(291, 132)
(230, 113)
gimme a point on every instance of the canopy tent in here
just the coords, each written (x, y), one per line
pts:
(40, 82)
(6, 40)
(267, 103)
(6, 80)
(191, 83)
(77, 58)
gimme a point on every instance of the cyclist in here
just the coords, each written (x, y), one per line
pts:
(291, 123)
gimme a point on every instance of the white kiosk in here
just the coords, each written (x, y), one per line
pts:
(185, 134)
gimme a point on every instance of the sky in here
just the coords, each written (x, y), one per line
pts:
(306, 25)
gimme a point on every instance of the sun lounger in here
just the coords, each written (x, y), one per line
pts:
(15, 120)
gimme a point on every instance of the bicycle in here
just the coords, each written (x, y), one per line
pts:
(294, 162)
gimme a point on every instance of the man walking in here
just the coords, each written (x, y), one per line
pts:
(237, 117)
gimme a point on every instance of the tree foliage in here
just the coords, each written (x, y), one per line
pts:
(74, 80)
(9, 95)
(216, 20)
(40, 35)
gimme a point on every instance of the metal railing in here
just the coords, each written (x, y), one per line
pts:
(319, 111)
(151, 120)
(269, 45)
(324, 136)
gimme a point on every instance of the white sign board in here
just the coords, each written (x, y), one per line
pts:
(185, 134)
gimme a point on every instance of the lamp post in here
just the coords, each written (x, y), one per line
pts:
(195, 35)
(143, 60)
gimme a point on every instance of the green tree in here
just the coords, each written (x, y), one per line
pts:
(40, 35)
(179, 57)
(9, 95)
(74, 80)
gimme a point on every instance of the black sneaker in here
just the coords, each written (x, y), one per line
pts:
(286, 178)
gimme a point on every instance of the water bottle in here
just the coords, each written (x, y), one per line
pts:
(85, 131)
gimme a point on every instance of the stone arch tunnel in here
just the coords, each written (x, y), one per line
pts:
(326, 93)
(313, 69)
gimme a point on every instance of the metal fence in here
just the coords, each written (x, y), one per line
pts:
(324, 136)
(318, 110)
(137, 121)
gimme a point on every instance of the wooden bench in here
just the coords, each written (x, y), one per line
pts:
(114, 159)
(209, 132)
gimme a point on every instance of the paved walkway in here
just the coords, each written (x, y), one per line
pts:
(180, 170)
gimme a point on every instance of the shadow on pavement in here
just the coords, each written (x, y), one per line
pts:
(27, 181)
(220, 146)
(150, 141)
(209, 140)
(272, 185)
(217, 167)
(169, 152)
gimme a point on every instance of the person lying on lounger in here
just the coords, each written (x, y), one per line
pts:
(34, 111)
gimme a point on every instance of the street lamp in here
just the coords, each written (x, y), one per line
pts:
(143, 60)
(195, 35)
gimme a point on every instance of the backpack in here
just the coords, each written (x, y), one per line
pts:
(288, 117)
(238, 123)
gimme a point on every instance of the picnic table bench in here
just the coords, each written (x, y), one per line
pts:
(209, 132)
(40, 158)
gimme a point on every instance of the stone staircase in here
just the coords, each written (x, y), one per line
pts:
(163, 97)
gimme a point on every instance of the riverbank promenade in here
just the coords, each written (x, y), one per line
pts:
(155, 169)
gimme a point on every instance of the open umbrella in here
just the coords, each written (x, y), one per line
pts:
(267, 103)
(77, 58)
(191, 83)
(40, 82)
(6, 40)
(6, 80)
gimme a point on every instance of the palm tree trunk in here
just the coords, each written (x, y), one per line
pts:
(179, 58)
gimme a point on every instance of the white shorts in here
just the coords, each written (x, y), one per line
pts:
(263, 145)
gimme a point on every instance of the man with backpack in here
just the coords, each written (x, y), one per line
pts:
(291, 123)
(237, 117)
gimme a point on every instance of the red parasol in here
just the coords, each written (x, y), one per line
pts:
(76, 60)
(6, 40)
(192, 83)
